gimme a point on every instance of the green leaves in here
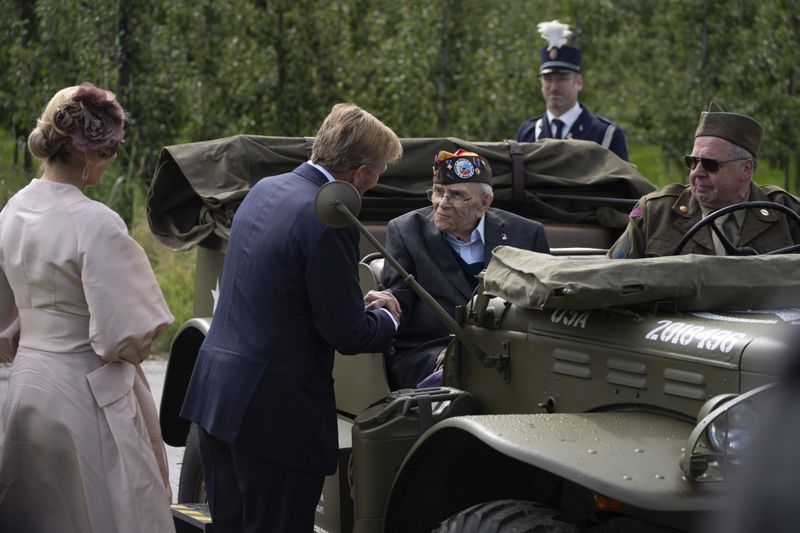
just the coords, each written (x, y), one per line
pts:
(203, 69)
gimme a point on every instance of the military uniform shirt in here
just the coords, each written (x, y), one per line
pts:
(661, 219)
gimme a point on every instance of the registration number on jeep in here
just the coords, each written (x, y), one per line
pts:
(711, 339)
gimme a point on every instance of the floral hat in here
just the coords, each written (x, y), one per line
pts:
(92, 119)
(459, 167)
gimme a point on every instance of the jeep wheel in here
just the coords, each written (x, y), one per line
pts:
(190, 487)
(506, 516)
(730, 249)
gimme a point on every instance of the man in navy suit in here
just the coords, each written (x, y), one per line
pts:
(561, 80)
(262, 390)
(444, 246)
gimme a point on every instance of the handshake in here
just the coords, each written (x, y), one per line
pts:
(385, 299)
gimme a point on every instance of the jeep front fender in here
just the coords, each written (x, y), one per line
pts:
(182, 356)
(632, 457)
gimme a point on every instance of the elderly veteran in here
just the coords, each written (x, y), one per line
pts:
(444, 247)
(721, 169)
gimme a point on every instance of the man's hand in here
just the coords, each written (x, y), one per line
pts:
(376, 299)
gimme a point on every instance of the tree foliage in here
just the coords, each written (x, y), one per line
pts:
(203, 69)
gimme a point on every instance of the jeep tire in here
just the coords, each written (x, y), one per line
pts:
(190, 486)
(506, 516)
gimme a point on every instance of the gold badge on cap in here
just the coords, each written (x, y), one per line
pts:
(553, 53)
(764, 212)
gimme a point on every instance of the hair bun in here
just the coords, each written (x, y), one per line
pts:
(44, 141)
(67, 118)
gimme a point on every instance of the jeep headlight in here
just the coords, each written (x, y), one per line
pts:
(724, 431)
(732, 432)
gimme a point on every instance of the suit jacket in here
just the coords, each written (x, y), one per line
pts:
(421, 249)
(588, 127)
(289, 296)
(661, 219)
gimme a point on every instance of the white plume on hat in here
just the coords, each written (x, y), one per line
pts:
(555, 33)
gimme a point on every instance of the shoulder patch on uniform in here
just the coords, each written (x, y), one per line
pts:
(636, 212)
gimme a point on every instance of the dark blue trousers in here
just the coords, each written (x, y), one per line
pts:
(248, 493)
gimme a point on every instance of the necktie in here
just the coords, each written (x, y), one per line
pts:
(729, 227)
(559, 128)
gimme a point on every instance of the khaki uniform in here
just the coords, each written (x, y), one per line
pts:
(662, 218)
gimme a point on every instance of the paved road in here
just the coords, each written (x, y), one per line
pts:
(154, 368)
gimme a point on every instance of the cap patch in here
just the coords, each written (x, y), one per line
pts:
(460, 166)
(464, 169)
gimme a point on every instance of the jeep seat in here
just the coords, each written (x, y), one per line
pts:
(564, 239)
(360, 380)
(578, 236)
(365, 247)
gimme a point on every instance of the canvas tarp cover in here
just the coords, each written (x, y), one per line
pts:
(197, 186)
(691, 282)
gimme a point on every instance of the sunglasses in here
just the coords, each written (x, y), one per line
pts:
(709, 165)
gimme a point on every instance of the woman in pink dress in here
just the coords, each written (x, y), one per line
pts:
(80, 446)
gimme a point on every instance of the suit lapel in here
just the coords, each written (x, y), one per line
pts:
(688, 213)
(494, 232)
(444, 258)
(580, 124)
(545, 132)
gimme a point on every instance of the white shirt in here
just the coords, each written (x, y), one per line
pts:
(323, 170)
(567, 118)
(472, 251)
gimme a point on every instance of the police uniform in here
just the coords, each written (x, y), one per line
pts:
(555, 57)
(588, 127)
(661, 219)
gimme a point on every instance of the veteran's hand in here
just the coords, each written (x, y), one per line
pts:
(376, 299)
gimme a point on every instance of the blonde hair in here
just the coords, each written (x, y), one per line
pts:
(79, 118)
(45, 141)
(350, 137)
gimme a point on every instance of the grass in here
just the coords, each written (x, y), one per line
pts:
(174, 272)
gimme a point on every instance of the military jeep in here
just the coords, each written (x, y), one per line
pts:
(592, 394)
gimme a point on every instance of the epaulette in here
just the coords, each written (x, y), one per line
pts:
(671, 190)
(601, 118)
(773, 191)
(770, 190)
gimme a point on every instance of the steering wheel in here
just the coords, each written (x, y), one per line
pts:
(730, 249)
